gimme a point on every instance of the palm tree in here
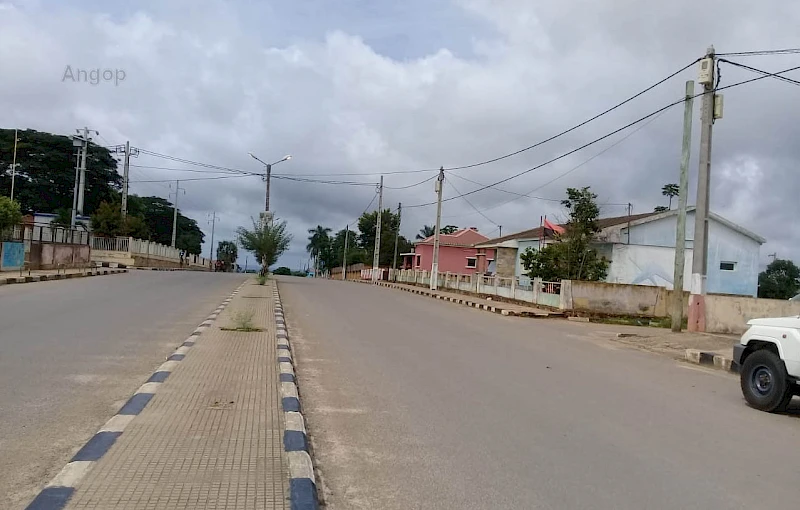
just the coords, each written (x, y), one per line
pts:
(317, 242)
(267, 241)
(670, 190)
(426, 231)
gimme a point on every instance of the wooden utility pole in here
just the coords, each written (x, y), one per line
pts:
(680, 231)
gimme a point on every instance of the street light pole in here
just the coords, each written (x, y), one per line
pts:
(266, 216)
(14, 164)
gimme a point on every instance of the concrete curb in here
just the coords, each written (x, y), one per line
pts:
(14, 280)
(302, 483)
(59, 490)
(465, 301)
(711, 359)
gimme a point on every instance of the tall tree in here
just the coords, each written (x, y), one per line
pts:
(319, 245)
(107, 221)
(45, 174)
(572, 257)
(426, 231)
(227, 253)
(157, 213)
(266, 241)
(781, 280)
(390, 224)
(670, 190)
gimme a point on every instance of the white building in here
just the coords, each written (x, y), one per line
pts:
(641, 249)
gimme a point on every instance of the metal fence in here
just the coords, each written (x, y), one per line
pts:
(46, 234)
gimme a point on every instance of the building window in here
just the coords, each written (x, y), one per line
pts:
(472, 262)
(419, 257)
(727, 266)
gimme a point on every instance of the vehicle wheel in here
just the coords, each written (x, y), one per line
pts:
(765, 382)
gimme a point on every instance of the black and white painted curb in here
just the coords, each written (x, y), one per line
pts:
(60, 276)
(302, 484)
(462, 301)
(59, 490)
(712, 359)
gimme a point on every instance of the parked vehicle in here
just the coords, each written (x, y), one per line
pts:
(768, 355)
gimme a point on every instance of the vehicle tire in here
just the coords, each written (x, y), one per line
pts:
(765, 382)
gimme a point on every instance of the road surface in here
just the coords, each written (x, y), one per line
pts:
(416, 403)
(72, 352)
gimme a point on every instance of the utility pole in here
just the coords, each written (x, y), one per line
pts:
(82, 141)
(344, 256)
(213, 222)
(435, 267)
(178, 189)
(376, 256)
(680, 231)
(773, 255)
(397, 238)
(697, 311)
(501, 230)
(630, 210)
(127, 152)
(14, 164)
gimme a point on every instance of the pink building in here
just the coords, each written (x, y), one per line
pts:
(456, 253)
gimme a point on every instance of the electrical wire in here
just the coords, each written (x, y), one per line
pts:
(609, 110)
(412, 185)
(765, 73)
(472, 205)
(787, 51)
(596, 140)
(186, 169)
(190, 162)
(519, 195)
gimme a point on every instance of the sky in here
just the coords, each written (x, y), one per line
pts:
(378, 87)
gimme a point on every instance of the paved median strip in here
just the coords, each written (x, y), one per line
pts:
(59, 490)
(302, 483)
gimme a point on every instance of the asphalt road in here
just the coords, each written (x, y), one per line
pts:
(72, 352)
(417, 403)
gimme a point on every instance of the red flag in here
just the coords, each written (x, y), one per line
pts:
(551, 228)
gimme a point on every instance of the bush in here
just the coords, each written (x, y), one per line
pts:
(283, 271)
(262, 279)
(10, 214)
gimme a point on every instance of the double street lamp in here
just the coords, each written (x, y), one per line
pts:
(266, 215)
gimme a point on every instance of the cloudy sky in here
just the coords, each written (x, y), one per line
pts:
(370, 87)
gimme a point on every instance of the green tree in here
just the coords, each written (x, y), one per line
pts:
(283, 271)
(781, 280)
(63, 218)
(319, 247)
(107, 221)
(390, 224)
(448, 229)
(10, 215)
(266, 241)
(426, 231)
(45, 174)
(227, 253)
(572, 257)
(670, 190)
(157, 214)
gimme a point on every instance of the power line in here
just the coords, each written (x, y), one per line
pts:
(787, 51)
(190, 162)
(520, 195)
(411, 185)
(609, 110)
(641, 119)
(767, 74)
(472, 205)
(187, 170)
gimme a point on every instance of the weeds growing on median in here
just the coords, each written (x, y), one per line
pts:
(262, 279)
(243, 321)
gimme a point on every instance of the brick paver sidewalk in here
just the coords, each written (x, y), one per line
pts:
(211, 437)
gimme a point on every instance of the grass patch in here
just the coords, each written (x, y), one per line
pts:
(262, 279)
(243, 321)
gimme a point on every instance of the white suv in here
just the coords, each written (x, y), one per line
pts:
(769, 359)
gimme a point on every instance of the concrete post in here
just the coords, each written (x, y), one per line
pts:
(537, 289)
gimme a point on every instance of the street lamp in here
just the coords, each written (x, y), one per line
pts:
(267, 176)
